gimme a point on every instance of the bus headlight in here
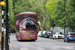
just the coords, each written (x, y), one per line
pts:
(20, 30)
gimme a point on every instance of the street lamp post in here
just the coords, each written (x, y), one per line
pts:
(6, 46)
(2, 44)
(2, 36)
(2, 40)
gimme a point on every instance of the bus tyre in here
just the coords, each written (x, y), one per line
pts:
(17, 40)
(33, 40)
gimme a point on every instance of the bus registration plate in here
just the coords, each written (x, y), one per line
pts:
(28, 38)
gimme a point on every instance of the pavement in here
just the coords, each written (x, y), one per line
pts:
(0, 47)
(59, 39)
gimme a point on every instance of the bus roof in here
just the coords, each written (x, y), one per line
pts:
(25, 13)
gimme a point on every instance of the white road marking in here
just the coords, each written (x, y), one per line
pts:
(40, 48)
(23, 48)
(64, 47)
(69, 47)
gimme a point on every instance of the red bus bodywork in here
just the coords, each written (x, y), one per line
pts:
(26, 26)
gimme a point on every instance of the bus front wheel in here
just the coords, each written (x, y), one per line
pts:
(17, 40)
(33, 40)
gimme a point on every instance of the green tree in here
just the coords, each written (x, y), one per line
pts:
(11, 14)
(72, 14)
(69, 13)
(50, 5)
(59, 13)
(34, 6)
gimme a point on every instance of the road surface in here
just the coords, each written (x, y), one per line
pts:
(40, 44)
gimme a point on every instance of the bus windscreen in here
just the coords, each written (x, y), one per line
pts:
(30, 26)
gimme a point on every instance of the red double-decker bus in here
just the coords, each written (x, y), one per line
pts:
(26, 26)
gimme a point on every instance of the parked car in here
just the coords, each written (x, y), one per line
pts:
(40, 33)
(70, 37)
(43, 32)
(51, 35)
(58, 35)
(46, 35)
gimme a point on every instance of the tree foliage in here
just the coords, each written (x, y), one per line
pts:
(50, 12)
(51, 7)
(59, 13)
(62, 13)
(34, 6)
